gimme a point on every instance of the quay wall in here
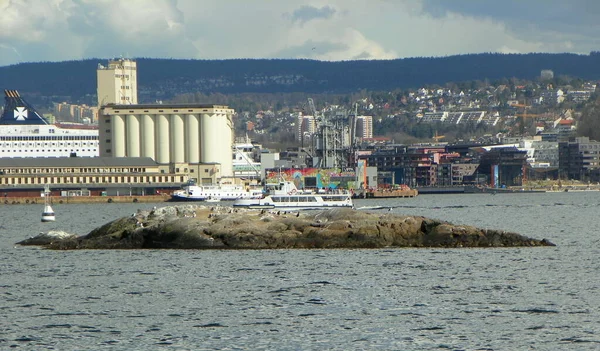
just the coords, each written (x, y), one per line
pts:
(385, 193)
(392, 193)
(84, 199)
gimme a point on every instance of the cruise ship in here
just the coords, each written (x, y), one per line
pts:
(25, 133)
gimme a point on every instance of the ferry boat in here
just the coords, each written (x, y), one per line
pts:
(25, 133)
(286, 196)
(194, 192)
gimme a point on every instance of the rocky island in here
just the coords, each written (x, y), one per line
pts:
(204, 227)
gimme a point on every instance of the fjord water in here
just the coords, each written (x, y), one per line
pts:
(542, 298)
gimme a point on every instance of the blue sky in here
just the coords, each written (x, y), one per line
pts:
(333, 30)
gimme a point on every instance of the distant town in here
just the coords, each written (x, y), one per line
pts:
(507, 134)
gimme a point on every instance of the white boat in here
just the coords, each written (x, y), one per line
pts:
(286, 196)
(25, 133)
(215, 192)
(48, 213)
(213, 199)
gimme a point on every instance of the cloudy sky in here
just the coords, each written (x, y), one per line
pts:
(57, 30)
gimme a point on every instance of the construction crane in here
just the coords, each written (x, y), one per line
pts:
(437, 137)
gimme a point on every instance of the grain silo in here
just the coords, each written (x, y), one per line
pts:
(170, 134)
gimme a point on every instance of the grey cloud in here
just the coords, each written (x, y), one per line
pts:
(554, 23)
(308, 13)
(539, 13)
(362, 56)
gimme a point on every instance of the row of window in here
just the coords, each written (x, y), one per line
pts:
(48, 138)
(46, 144)
(294, 199)
(92, 180)
(63, 170)
(50, 150)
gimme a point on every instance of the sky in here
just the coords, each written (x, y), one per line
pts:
(329, 30)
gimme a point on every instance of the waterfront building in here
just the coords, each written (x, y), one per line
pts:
(88, 175)
(579, 159)
(502, 166)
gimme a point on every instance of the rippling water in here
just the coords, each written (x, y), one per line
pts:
(392, 299)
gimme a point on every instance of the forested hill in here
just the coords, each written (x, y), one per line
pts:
(164, 78)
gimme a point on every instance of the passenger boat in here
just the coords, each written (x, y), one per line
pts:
(286, 196)
(214, 192)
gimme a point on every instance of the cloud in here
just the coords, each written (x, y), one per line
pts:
(308, 13)
(311, 49)
(554, 26)
(55, 30)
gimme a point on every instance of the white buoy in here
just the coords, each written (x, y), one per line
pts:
(48, 213)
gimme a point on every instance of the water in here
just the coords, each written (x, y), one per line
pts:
(390, 299)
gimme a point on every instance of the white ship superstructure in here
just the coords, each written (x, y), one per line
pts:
(244, 165)
(25, 133)
(285, 196)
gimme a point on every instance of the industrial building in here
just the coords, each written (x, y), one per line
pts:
(117, 82)
(182, 136)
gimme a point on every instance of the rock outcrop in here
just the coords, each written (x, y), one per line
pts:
(44, 239)
(201, 227)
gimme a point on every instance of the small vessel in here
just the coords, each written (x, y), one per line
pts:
(213, 199)
(48, 213)
(286, 196)
(214, 192)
